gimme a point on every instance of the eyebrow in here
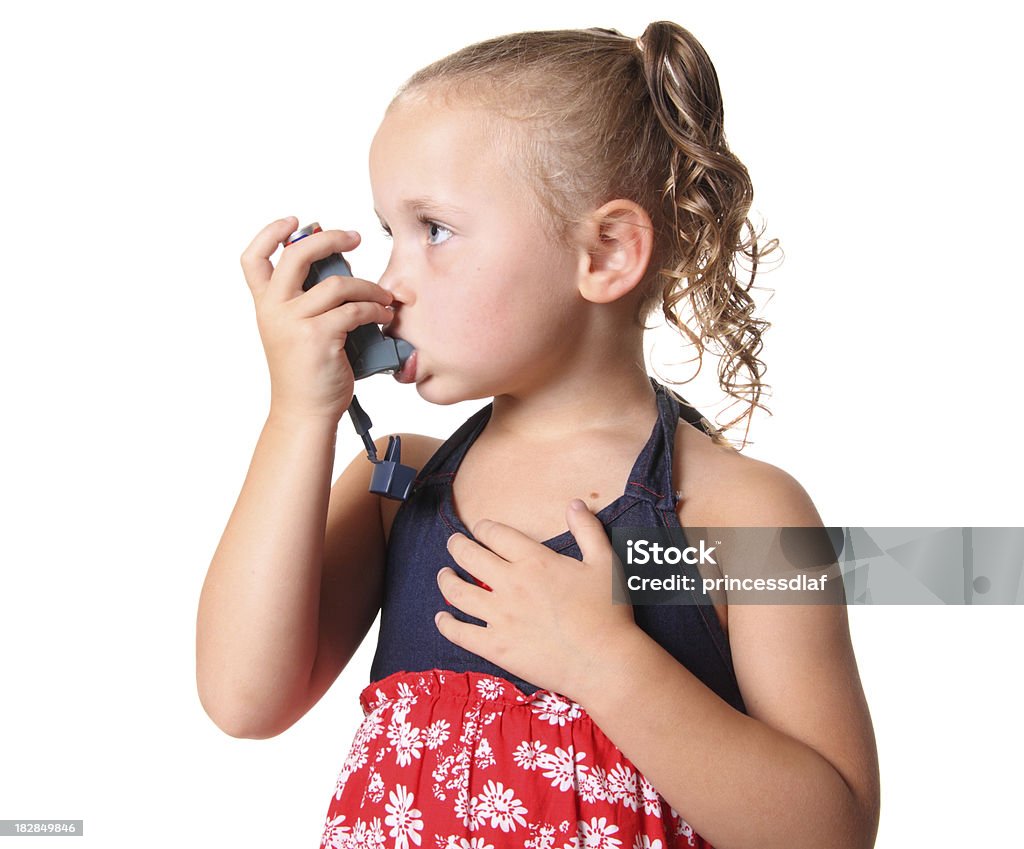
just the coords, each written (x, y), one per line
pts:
(425, 202)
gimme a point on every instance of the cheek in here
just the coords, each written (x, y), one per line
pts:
(502, 297)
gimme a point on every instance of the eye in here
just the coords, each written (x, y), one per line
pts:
(386, 230)
(437, 233)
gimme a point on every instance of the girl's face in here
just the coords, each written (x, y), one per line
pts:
(482, 290)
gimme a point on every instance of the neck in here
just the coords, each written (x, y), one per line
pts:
(585, 394)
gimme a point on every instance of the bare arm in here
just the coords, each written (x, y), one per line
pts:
(294, 584)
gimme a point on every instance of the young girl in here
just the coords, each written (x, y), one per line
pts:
(545, 191)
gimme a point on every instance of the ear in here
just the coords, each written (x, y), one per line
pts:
(616, 242)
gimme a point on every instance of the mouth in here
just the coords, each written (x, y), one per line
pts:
(407, 373)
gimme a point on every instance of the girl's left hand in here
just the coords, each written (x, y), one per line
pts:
(548, 615)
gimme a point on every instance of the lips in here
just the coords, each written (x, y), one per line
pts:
(407, 374)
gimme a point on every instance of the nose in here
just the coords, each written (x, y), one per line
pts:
(395, 281)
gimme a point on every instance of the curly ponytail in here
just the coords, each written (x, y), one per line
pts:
(591, 115)
(706, 199)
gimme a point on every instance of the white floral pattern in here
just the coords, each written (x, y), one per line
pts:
(335, 834)
(527, 753)
(468, 761)
(484, 755)
(405, 739)
(437, 733)
(505, 811)
(562, 766)
(622, 786)
(405, 821)
(597, 834)
(556, 709)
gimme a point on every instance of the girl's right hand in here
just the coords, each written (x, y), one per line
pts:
(304, 333)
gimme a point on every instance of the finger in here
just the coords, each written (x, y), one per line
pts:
(463, 595)
(589, 533)
(255, 259)
(466, 635)
(336, 290)
(486, 566)
(506, 541)
(293, 266)
(347, 317)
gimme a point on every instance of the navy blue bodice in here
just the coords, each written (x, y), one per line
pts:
(409, 640)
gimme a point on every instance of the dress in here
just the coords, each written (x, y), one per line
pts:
(454, 751)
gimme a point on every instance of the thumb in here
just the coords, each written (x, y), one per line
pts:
(588, 532)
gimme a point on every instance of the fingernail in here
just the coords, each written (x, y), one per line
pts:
(577, 504)
(352, 234)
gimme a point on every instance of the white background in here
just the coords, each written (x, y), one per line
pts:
(142, 150)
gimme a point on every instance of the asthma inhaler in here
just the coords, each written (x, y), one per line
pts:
(369, 351)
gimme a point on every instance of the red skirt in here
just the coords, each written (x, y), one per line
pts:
(462, 760)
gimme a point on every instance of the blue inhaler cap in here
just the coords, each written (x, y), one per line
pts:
(390, 478)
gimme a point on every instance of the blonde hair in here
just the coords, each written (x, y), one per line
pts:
(594, 115)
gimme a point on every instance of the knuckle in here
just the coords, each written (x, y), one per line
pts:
(451, 587)
(290, 256)
(499, 651)
(532, 562)
(516, 584)
(352, 312)
(447, 626)
(344, 289)
(308, 331)
(454, 636)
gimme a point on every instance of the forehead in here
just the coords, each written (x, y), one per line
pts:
(424, 147)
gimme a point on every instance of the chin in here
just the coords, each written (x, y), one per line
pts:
(444, 394)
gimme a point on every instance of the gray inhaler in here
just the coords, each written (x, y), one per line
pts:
(369, 351)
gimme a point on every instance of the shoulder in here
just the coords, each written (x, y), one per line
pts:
(416, 447)
(718, 486)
